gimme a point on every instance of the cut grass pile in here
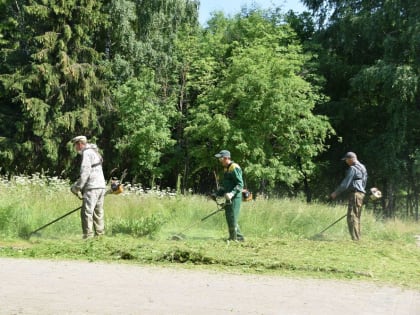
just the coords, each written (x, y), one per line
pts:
(391, 262)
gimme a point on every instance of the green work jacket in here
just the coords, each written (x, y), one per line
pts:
(232, 181)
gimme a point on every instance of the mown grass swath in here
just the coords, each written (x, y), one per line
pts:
(140, 223)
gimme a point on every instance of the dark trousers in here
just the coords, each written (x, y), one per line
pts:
(232, 211)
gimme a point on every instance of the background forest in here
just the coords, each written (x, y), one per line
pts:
(288, 94)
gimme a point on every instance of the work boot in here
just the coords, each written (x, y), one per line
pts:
(236, 239)
(232, 235)
(239, 235)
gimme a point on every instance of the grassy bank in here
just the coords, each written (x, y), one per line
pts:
(140, 229)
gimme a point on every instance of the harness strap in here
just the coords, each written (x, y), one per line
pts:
(99, 156)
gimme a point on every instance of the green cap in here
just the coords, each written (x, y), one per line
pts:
(223, 153)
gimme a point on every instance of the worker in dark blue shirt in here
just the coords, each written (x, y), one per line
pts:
(355, 184)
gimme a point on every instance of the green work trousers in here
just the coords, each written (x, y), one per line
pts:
(354, 212)
(232, 210)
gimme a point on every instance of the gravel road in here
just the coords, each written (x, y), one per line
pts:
(68, 287)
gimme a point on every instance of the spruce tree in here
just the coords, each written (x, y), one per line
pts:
(51, 81)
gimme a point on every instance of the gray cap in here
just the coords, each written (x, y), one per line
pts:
(81, 139)
(349, 155)
(222, 154)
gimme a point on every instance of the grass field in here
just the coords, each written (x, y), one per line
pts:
(281, 235)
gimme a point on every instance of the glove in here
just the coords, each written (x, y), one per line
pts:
(228, 196)
(74, 189)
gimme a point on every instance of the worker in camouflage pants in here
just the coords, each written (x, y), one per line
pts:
(232, 191)
(354, 183)
(90, 187)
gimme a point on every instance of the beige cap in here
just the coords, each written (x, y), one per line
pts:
(81, 139)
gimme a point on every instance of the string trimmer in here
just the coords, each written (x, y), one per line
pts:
(335, 222)
(116, 188)
(180, 235)
(49, 223)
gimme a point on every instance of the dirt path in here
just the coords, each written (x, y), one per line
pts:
(57, 287)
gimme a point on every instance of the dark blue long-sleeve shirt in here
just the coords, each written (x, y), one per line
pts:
(355, 179)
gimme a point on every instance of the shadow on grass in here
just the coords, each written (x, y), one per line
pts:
(320, 238)
(183, 237)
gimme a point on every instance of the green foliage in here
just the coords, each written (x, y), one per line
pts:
(387, 91)
(262, 82)
(369, 57)
(162, 95)
(5, 217)
(121, 46)
(52, 85)
(142, 35)
(144, 125)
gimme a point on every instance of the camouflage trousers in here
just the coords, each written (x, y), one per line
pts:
(92, 214)
(354, 212)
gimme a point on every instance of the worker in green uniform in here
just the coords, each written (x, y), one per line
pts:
(232, 191)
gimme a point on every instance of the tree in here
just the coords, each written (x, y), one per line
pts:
(119, 41)
(370, 61)
(144, 35)
(52, 82)
(144, 126)
(262, 107)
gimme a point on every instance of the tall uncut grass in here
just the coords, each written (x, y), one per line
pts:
(29, 202)
(154, 226)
